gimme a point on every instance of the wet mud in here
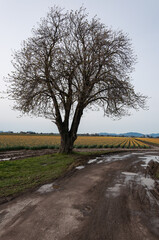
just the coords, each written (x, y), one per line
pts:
(111, 197)
(21, 154)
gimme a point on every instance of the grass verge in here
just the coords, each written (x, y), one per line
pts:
(18, 176)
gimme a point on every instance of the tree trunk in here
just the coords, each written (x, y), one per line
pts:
(67, 141)
(68, 137)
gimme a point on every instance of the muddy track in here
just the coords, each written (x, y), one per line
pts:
(20, 154)
(112, 197)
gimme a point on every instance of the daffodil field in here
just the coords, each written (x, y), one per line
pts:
(153, 141)
(16, 142)
(109, 142)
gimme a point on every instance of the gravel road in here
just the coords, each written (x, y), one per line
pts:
(111, 198)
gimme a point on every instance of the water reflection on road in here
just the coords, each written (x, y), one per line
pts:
(143, 157)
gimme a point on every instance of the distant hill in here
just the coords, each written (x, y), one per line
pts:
(154, 135)
(107, 134)
(130, 134)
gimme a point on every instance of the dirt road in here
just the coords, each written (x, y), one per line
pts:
(111, 198)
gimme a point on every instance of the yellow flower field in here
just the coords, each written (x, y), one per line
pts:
(150, 140)
(127, 142)
(30, 141)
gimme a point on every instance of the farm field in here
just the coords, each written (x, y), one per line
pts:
(110, 142)
(15, 142)
(150, 140)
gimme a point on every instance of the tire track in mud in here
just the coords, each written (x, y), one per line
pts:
(109, 198)
(127, 208)
(20, 154)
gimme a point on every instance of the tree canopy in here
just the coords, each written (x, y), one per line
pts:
(71, 63)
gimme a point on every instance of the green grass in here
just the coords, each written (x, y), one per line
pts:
(20, 175)
(9, 148)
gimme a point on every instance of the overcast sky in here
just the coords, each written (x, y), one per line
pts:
(138, 18)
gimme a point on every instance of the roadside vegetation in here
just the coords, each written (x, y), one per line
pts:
(18, 176)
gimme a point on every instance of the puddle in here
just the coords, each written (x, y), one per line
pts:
(97, 160)
(148, 158)
(113, 158)
(130, 173)
(121, 156)
(80, 167)
(101, 161)
(92, 161)
(143, 153)
(130, 176)
(114, 191)
(148, 182)
(136, 153)
(116, 158)
(5, 159)
(48, 188)
(12, 158)
(106, 159)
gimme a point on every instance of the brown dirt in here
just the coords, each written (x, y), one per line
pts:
(19, 154)
(112, 200)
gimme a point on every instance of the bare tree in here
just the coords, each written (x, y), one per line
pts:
(71, 63)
